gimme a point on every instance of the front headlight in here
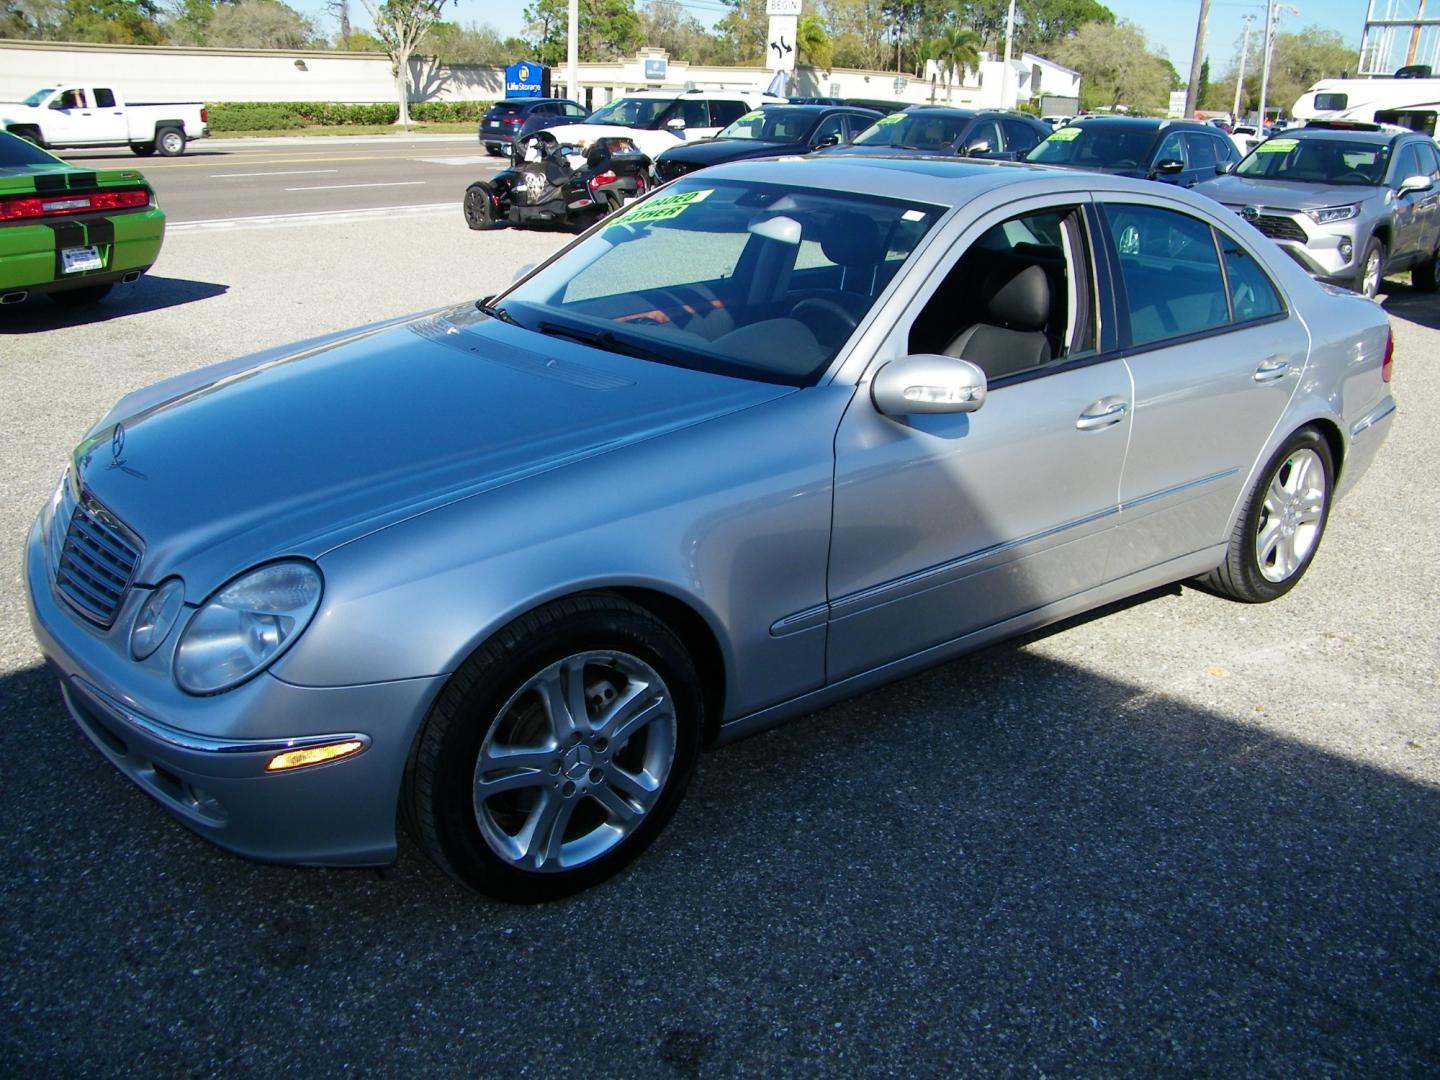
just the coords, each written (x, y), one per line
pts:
(241, 630)
(1326, 215)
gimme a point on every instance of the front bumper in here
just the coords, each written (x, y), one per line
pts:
(204, 759)
(1331, 252)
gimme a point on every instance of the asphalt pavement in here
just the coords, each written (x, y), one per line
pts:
(1185, 837)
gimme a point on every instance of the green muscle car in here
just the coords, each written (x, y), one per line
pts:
(70, 232)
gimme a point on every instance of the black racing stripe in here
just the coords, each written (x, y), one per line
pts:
(82, 180)
(68, 234)
(100, 231)
(49, 183)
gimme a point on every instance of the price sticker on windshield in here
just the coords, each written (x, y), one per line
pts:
(1065, 134)
(892, 118)
(756, 115)
(1276, 146)
(662, 207)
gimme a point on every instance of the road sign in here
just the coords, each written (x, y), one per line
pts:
(1177, 104)
(780, 50)
(782, 7)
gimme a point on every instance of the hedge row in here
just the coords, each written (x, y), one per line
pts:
(270, 115)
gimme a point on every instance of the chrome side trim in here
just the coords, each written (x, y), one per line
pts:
(811, 617)
(1374, 418)
(1177, 489)
(203, 744)
(939, 574)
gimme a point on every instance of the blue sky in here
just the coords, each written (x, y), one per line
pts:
(1170, 24)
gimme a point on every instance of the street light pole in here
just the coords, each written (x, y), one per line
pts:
(1197, 61)
(1005, 102)
(1240, 81)
(572, 52)
(1265, 63)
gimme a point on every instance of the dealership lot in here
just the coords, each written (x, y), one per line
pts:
(1187, 836)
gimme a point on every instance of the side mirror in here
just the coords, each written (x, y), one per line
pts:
(1169, 167)
(829, 140)
(926, 383)
(59, 105)
(1223, 167)
(1416, 183)
(676, 123)
(981, 147)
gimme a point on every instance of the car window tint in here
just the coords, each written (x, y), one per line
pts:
(696, 114)
(1407, 163)
(985, 133)
(1200, 150)
(725, 113)
(1019, 298)
(831, 127)
(72, 99)
(1252, 294)
(1170, 270)
(104, 99)
(1019, 137)
(1429, 160)
(575, 110)
(1172, 149)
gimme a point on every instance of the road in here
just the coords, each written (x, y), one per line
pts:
(225, 180)
(1185, 838)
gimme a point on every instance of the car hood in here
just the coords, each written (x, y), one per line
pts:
(716, 151)
(1236, 191)
(650, 141)
(11, 111)
(861, 150)
(303, 450)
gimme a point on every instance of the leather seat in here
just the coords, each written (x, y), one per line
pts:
(1012, 336)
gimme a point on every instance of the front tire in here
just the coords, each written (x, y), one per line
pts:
(1372, 269)
(29, 134)
(142, 149)
(1282, 523)
(557, 752)
(170, 142)
(479, 211)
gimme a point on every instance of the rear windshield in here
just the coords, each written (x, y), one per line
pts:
(1095, 147)
(1316, 161)
(914, 131)
(17, 153)
(505, 108)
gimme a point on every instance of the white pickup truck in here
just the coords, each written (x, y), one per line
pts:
(57, 117)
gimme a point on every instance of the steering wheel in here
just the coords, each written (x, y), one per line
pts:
(1354, 176)
(829, 321)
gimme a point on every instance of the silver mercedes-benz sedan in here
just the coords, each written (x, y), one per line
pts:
(780, 432)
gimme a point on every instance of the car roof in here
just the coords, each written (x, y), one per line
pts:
(1361, 135)
(1141, 123)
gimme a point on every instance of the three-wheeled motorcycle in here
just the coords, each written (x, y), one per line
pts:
(551, 183)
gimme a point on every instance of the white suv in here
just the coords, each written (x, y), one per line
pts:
(658, 119)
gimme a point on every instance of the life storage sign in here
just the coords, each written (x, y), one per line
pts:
(527, 79)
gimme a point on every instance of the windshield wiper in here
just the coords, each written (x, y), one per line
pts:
(500, 313)
(603, 339)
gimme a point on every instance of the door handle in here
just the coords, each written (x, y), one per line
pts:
(1272, 369)
(1106, 416)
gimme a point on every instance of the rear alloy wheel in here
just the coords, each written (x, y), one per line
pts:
(1372, 269)
(479, 211)
(170, 142)
(557, 753)
(87, 294)
(1281, 525)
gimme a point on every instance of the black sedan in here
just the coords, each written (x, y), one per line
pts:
(1183, 152)
(774, 131)
(929, 130)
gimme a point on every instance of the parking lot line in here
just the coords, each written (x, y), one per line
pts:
(287, 172)
(337, 187)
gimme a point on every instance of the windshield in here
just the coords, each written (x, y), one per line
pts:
(38, 96)
(1095, 146)
(17, 153)
(1316, 161)
(756, 281)
(631, 112)
(914, 131)
(771, 125)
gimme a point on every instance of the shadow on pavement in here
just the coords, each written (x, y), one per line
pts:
(1009, 865)
(1412, 305)
(150, 293)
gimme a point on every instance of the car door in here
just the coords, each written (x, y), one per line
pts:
(1411, 209)
(947, 524)
(1430, 166)
(108, 120)
(69, 113)
(1215, 357)
(1200, 157)
(1020, 138)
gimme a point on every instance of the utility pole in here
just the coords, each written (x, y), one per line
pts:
(1197, 60)
(1240, 81)
(1005, 102)
(572, 53)
(1272, 16)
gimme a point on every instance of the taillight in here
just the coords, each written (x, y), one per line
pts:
(20, 207)
(513, 121)
(1387, 366)
(204, 115)
(601, 179)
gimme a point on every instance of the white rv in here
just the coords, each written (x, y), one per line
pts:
(1408, 102)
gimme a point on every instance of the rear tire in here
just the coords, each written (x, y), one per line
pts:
(557, 752)
(170, 141)
(1281, 525)
(142, 149)
(1426, 276)
(86, 294)
(479, 211)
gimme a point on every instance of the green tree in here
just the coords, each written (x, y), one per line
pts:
(1203, 87)
(856, 33)
(111, 22)
(955, 52)
(1299, 61)
(1117, 67)
(608, 29)
(742, 32)
(812, 41)
(259, 24)
(1043, 24)
(402, 26)
(472, 44)
(664, 24)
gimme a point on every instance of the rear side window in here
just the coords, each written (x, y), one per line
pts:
(1019, 138)
(1252, 294)
(1171, 272)
(1200, 149)
(574, 110)
(105, 99)
(694, 113)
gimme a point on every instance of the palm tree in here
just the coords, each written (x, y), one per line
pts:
(812, 41)
(955, 52)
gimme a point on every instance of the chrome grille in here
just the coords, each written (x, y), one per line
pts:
(97, 560)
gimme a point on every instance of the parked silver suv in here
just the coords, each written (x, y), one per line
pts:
(1350, 202)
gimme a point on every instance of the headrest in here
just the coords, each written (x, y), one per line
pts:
(1018, 302)
(852, 239)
